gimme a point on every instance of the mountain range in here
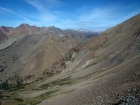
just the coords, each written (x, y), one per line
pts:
(27, 29)
(50, 66)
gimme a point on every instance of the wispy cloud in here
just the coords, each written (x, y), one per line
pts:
(106, 16)
(7, 10)
(102, 17)
(93, 18)
(10, 11)
(43, 6)
(94, 14)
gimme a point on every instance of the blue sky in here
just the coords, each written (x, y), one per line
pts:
(68, 14)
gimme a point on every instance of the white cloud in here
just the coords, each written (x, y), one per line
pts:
(10, 11)
(7, 10)
(43, 7)
(89, 17)
(96, 13)
(100, 17)
(37, 4)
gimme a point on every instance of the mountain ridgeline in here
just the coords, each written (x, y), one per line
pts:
(5, 32)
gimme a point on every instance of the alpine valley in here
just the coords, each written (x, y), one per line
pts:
(50, 66)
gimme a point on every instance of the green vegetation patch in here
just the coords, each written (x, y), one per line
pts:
(47, 94)
(2, 96)
(59, 82)
(18, 99)
(40, 98)
(6, 86)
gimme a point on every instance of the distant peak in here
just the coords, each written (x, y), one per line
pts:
(23, 24)
(81, 30)
(89, 31)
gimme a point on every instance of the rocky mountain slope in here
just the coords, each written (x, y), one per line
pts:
(110, 63)
(32, 54)
(34, 49)
(114, 46)
(60, 71)
(3, 32)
